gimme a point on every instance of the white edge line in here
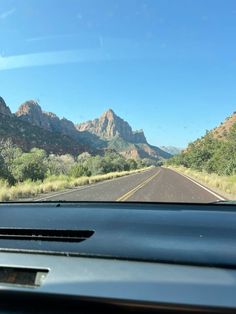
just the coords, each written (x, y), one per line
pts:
(81, 188)
(202, 186)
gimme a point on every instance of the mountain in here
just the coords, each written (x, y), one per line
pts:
(119, 136)
(109, 125)
(31, 112)
(171, 150)
(27, 135)
(32, 127)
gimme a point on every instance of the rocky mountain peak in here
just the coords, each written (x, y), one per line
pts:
(30, 111)
(29, 107)
(109, 126)
(4, 109)
(110, 114)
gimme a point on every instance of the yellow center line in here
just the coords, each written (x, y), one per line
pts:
(137, 188)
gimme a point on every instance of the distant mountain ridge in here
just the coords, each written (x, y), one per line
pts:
(171, 149)
(30, 125)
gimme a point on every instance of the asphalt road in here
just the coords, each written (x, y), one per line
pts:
(154, 185)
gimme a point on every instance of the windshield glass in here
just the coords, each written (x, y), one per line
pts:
(118, 100)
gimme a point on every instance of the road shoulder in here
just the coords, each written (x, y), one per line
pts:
(211, 189)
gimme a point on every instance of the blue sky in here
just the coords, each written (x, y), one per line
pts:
(168, 67)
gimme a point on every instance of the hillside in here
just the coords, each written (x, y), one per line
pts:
(31, 127)
(221, 131)
(215, 152)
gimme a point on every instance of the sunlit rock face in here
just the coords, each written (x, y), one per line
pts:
(109, 125)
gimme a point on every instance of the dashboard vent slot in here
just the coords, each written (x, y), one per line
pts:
(45, 234)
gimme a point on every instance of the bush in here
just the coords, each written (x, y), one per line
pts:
(110, 162)
(58, 165)
(79, 170)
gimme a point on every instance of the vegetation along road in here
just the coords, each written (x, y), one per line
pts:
(154, 185)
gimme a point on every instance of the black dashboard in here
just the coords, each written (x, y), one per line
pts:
(120, 257)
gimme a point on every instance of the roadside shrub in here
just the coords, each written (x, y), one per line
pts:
(79, 170)
(58, 165)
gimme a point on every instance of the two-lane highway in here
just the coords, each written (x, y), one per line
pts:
(154, 185)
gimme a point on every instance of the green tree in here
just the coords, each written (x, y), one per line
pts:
(8, 153)
(83, 157)
(58, 165)
(32, 165)
(132, 164)
(79, 170)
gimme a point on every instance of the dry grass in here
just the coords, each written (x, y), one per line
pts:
(29, 189)
(224, 184)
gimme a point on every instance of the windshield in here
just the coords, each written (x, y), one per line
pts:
(118, 100)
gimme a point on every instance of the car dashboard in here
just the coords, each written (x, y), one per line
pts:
(121, 257)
